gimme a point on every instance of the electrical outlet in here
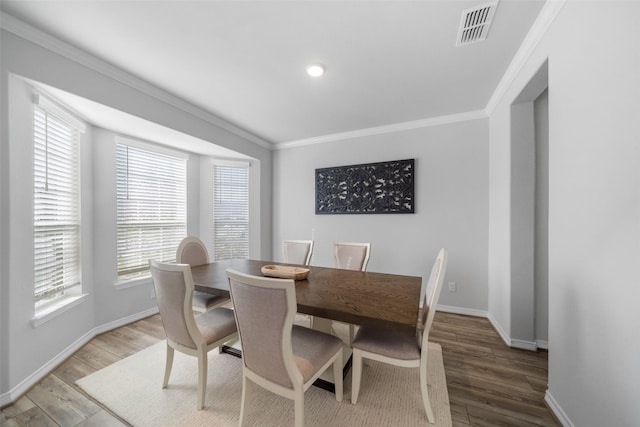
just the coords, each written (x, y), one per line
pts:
(452, 286)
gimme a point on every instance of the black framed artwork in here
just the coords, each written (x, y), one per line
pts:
(370, 188)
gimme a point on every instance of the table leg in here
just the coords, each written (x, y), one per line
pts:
(341, 330)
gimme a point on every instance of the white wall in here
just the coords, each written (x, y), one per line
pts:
(594, 210)
(45, 341)
(451, 210)
(28, 353)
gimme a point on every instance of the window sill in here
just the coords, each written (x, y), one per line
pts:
(139, 281)
(56, 308)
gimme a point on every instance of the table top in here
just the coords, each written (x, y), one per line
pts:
(383, 300)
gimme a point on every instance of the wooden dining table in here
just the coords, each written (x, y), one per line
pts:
(389, 301)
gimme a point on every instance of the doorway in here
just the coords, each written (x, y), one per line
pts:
(541, 220)
(529, 213)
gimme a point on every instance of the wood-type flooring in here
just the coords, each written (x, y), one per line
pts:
(489, 383)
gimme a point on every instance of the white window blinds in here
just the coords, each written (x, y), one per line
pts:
(231, 211)
(151, 208)
(56, 206)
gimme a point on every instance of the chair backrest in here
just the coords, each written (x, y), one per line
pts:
(432, 294)
(297, 251)
(173, 284)
(192, 251)
(265, 309)
(351, 256)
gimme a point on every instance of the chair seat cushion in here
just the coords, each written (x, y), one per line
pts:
(312, 349)
(205, 301)
(216, 324)
(386, 343)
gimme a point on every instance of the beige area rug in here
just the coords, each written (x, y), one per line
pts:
(389, 396)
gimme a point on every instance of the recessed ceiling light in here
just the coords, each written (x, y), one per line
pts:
(315, 70)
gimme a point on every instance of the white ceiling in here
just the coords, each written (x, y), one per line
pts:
(388, 62)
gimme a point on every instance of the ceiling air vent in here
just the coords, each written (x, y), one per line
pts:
(475, 22)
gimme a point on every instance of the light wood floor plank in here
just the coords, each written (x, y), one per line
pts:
(61, 402)
(23, 404)
(32, 417)
(109, 341)
(95, 355)
(73, 369)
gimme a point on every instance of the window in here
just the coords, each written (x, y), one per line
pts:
(151, 206)
(56, 203)
(231, 211)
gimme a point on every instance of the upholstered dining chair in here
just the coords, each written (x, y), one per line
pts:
(193, 252)
(297, 251)
(195, 336)
(401, 350)
(276, 354)
(351, 256)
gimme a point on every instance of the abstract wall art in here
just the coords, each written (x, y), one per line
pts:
(371, 188)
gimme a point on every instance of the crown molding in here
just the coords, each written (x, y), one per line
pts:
(544, 20)
(380, 130)
(47, 41)
(539, 28)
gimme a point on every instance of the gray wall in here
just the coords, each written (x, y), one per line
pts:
(451, 205)
(594, 211)
(27, 353)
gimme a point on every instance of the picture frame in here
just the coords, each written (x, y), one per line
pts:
(369, 188)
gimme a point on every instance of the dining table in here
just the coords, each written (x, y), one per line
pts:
(382, 300)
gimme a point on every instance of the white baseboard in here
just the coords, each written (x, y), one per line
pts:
(124, 321)
(543, 344)
(5, 399)
(12, 395)
(560, 415)
(24, 385)
(524, 345)
(462, 310)
(512, 342)
(498, 327)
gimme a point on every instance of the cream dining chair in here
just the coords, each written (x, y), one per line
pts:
(195, 336)
(193, 252)
(276, 354)
(351, 256)
(401, 350)
(297, 251)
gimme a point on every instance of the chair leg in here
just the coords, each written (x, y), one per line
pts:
(245, 393)
(356, 375)
(337, 376)
(425, 390)
(167, 366)
(202, 377)
(299, 408)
